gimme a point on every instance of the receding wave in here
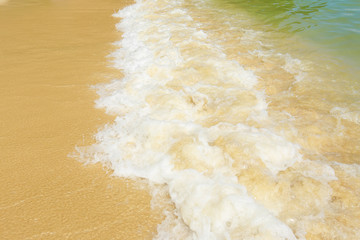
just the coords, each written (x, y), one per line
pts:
(248, 142)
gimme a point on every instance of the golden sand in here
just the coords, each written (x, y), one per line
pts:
(50, 53)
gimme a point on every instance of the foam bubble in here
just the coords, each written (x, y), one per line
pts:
(346, 114)
(195, 120)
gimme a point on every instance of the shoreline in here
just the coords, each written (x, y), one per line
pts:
(51, 56)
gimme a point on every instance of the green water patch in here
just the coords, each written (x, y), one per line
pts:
(333, 25)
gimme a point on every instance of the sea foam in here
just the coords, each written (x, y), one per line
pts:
(190, 118)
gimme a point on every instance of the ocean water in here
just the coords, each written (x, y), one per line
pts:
(332, 26)
(240, 118)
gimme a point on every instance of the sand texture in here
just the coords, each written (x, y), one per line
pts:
(50, 53)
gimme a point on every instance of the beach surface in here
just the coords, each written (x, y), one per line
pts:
(50, 54)
(234, 123)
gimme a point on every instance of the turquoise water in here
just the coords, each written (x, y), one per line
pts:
(333, 25)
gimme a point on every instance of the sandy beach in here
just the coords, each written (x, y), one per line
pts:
(51, 52)
(232, 117)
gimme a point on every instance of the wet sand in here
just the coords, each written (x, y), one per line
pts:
(50, 53)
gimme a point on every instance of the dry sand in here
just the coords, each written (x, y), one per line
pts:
(50, 53)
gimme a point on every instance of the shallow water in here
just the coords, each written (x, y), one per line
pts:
(247, 131)
(333, 26)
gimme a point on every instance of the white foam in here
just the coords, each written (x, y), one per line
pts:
(346, 114)
(319, 171)
(353, 170)
(219, 208)
(179, 95)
